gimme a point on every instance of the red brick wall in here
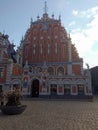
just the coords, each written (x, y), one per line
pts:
(62, 49)
(76, 69)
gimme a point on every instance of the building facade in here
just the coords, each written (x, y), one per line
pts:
(10, 70)
(48, 64)
(94, 79)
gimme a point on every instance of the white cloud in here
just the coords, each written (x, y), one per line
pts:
(88, 13)
(85, 38)
(82, 42)
(93, 29)
(91, 58)
(72, 23)
(75, 12)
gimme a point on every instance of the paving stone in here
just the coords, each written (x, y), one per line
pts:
(53, 115)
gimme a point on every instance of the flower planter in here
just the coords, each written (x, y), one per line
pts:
(13, 110)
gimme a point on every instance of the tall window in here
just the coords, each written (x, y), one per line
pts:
(34, 48)
(60, 71)
(67, 89)
(50, 71)
(41, 49)
(30, 69)
(48, 48)
(80, 89)
(56, 48)
(1, 72)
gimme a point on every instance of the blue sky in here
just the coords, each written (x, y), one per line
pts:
(79, 17)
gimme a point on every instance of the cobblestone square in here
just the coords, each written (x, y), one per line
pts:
(53, 115)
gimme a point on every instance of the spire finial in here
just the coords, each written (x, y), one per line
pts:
(31, 22)
(45, 8)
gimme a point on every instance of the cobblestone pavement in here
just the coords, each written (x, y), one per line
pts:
(53, 115)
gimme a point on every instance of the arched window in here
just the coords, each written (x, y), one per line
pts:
(50, 71)
(30, 69)
(60, 71)
(38, 70)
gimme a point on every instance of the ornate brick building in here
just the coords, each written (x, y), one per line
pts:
(10, 70)
(50, 64)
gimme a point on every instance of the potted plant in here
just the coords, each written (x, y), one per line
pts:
(13, 105)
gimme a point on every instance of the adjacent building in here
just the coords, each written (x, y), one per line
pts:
(10, 70)
(94, 79)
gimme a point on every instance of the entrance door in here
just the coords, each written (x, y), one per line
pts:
(53, 90)
(0, 88)
(35, 88)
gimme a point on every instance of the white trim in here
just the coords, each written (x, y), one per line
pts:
(16, 81)
(67, 81)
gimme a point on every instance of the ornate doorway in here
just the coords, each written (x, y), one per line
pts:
(35, 88)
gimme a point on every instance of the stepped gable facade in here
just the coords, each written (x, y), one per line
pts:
(51, 64)
(46, 64)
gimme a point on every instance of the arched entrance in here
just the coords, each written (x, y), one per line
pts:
(35, 88)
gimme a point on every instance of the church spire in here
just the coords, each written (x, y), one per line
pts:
(45, 8)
